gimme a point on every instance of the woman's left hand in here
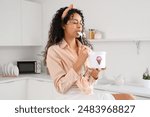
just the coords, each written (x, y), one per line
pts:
(95, 72)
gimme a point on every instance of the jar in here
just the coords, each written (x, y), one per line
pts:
(98, 35)
(91, 33)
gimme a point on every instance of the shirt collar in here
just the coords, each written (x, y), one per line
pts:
(64, 44)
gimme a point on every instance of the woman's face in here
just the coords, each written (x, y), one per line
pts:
(73, 26)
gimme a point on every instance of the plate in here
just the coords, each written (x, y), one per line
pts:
(9, 69)
(5, 70)
(1, 72)
(16, 71)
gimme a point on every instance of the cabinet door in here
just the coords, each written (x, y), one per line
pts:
(31, 23)
(13, 89)
(10, 19)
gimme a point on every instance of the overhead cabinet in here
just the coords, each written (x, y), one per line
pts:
(20, 23)
(31, 23)
(10, 22)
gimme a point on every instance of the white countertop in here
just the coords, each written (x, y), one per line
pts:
(42, 76)
(135, 90)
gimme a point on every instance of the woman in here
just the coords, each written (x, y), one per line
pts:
(66, 55)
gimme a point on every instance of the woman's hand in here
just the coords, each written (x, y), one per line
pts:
(94, 73)
(82, 56)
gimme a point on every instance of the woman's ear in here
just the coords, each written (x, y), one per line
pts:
(63, 27)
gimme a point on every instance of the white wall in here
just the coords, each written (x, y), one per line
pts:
(123, 59)
(15, 53)
(117, 19)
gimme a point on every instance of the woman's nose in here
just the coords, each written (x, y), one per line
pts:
(79, 25)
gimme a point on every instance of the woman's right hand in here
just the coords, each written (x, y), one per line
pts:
(82, 56)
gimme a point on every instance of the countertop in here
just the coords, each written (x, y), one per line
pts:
(136, 90)
(42, 76)
(132, 89)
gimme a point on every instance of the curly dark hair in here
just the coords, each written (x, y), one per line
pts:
(56, 32)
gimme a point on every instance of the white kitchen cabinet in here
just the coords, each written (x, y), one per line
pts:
(17, 89)
(31, 23)
(10, 19)
(20, 23)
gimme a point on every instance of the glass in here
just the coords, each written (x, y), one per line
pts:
(75, 21)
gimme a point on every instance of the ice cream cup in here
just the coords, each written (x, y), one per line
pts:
(97, 59)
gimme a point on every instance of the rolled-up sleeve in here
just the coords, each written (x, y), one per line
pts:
(63, 80)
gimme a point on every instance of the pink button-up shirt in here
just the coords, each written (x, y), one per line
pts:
(60, 61)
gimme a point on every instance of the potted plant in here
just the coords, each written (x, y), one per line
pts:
(146, 78)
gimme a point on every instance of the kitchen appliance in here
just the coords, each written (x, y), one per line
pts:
(29, 66)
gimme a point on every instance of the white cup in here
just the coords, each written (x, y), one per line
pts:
(97, 59)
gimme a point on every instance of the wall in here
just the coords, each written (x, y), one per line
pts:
(117, 19)
(123, 59)
(15, 53)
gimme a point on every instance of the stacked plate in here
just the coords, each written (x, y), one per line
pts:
(10, 70)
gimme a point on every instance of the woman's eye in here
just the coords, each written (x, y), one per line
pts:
(75, 22)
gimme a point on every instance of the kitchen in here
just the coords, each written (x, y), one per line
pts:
(125, 36)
